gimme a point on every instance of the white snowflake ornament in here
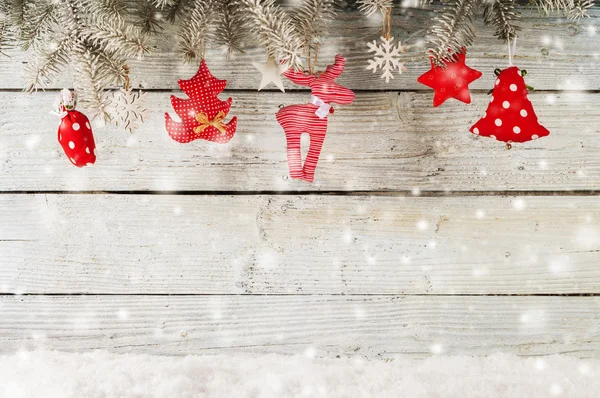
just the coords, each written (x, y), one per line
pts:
(386, 58)
(128, 109)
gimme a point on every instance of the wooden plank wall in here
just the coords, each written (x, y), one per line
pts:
(416, 238)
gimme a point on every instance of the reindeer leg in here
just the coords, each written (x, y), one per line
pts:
(314, 151)
(294, 155)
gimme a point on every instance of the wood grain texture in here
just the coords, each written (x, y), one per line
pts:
(369, 326)
(163, 244)
(558, 54)
(384, 141)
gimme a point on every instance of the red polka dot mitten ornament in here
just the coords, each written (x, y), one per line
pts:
(510, 116)
(75, 131)
(203, 114)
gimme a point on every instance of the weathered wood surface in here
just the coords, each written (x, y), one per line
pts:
(384, 141)
(373, 275)
(369, 326)
(558, 54)
(164, 244)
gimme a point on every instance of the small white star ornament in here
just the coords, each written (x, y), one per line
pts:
(271, 73)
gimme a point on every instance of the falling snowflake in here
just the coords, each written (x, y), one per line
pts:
(128, 109)
(387, 57)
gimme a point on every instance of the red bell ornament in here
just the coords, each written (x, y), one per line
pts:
(510, 116)
(75, 131)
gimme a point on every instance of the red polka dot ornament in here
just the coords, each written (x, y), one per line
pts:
(510, 116)
(203, 114)
(75, 131)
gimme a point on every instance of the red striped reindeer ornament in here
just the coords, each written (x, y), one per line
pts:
(311, 118)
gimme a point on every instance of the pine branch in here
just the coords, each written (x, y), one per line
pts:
(16, 11)
(452, 30)
(112, 10)
(276, 31)
(502, 14)
(38, 19)
(580, 9)
(161, 4)
(116, 39)
(196, 29)
(310, 19)
(573, 9)
(5, 29)
(174, 9)
(369, 7)
(90, 81)
(231, 29)
(147, 16)
(50, 61)
(89, 36)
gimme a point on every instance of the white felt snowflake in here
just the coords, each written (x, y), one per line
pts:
(128, 109)
(386, 57)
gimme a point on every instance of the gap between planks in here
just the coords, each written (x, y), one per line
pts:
(390, 193)
(305, 294)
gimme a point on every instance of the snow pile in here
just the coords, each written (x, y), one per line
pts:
(101, 374)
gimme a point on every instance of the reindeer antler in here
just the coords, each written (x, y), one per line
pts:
(299, 77)
(336, 69)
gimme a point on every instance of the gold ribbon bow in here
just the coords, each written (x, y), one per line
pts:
(217, 122)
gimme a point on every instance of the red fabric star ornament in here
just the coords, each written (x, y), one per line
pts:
(510, 116)
(451, 80)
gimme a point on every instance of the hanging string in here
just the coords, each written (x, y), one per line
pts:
(387, 24)
(512, 51)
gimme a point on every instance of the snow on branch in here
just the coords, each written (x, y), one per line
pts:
(502, 14)
(453, 29)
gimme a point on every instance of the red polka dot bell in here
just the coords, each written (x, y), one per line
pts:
(510, 116)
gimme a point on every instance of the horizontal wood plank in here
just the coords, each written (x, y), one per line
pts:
(325, 326)
(558, 54)
(163, 244)
(384, 141)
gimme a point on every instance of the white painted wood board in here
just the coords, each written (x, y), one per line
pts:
(384, 141)
(368, 326)
(174, 244)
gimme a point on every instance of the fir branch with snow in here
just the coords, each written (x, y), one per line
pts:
(276, 31)
(196, 28)
(573, 9)
(90, 37)
(452, 29)
(310, 20)
(502, 14)
(370, 7)
(6, 38)
(232, 28)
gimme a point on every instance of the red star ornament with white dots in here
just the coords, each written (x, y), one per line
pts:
(451, 80)
(202, 115)
(510, 116)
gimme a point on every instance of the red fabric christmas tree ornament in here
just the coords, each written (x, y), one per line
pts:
(75, 131)
(203, 114)
(451, 80)
(510, 116)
